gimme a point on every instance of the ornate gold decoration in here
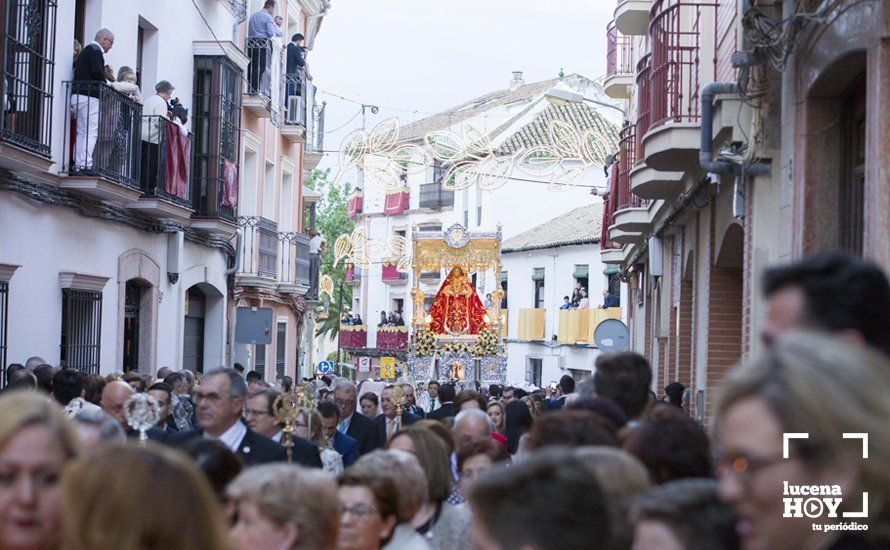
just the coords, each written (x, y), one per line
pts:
(357, 249)
(326, 286)
(286, 409)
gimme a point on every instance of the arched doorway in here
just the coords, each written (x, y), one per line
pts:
(134, 295)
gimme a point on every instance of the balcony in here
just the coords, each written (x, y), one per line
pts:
(683, 36)
(632, 17)
(644, 71)
(619, 63)
(392, 276)
(102, 142)
(27, 54)
(597, 316)
(272, 259)
(355, 204)
(294, 271)
(573, 326)
(352, 276)
(531, 324)
(265, 59)
(353, 336)
(166, 155)
(433, 196)
(299, 104)
(396, 201)
(612, 256)
(392, 337)
(651, 184)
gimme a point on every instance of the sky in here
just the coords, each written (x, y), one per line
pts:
(412, 58)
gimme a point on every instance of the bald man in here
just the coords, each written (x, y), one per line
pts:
(114, 396)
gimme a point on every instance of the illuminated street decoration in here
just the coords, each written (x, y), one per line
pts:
(469, 158)
(357, 249)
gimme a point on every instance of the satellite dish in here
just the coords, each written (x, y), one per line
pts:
(611, 335)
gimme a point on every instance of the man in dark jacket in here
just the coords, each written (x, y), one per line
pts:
(352, 423)
(219, 402)
(446, 395)
(261, 418)
(89, 76)
(387, 423)
(296, 63)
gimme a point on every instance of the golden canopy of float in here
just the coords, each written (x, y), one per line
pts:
(460, 253)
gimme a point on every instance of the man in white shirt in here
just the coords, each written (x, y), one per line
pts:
(219, 403)
(86, 92)
(316, 249)
(154, 125)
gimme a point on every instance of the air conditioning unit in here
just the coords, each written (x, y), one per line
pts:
(294, 113)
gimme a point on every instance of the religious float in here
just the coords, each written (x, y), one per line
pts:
(457, 339)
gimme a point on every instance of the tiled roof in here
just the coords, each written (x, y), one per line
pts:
(582, 116)
(579, 226)
(472, 108)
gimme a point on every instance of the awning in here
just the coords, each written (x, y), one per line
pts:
(538, 275)
(611, 270)
(581, 271)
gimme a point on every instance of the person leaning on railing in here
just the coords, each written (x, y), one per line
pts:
(155, 109)
(89, 75)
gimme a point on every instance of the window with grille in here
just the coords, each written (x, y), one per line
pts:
(81, 329)
(4, 320)
(27, 51)
(216, 122)
(280, 348)
(268, 237)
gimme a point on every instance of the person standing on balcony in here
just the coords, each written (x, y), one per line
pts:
(609, 300)
(316, 249)
(154, 111)
(261, 25)
(296, 63)
(89, 74)
(584, 303)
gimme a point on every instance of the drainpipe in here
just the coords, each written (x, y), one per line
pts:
(232, 270)
(705, 158)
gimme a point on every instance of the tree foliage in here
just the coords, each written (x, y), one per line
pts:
(332, 220)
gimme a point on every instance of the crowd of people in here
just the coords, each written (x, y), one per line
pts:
(580, 299)
(393, 319)
(603, 463)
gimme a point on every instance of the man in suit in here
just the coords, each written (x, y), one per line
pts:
(219, 402)
(89, 76)
(564, 388)
(261, 419)
(164, 395)
(342, 443)
(352, 423)
(114, 397)
(387, 423)
(446, 394)
(433, 401)
(411, 402)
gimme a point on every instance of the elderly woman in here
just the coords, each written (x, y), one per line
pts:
(825, 388)
(368, 510)
(403, 470)
(36, 442)
(282, 506)
(444, 525)
(477, 457)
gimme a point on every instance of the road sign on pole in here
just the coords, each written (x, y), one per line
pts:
(325, 367)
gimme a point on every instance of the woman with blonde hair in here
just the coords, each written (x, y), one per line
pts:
(36, 442)
(308, 426)
(139, 498)
(821, 388)
(284, 506)
(496, 411)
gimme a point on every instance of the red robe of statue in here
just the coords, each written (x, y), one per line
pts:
(457, 309)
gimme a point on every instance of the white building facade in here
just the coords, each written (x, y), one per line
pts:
(103, 268)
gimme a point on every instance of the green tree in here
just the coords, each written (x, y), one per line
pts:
(332, 220)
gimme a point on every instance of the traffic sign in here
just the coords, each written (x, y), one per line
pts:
(611, 335)
(325, 367)
(388, 367)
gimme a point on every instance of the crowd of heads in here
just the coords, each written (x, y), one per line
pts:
(604, 463)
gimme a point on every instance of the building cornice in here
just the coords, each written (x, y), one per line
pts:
(82, 281)
(7, 271)
(223, 48)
